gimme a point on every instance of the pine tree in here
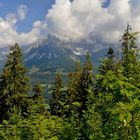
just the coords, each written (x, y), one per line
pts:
(79, 115)
(106, 80)
(129, 56)
(107, 65)
(86, 83)
(56, 102)
(117, 94)
(80, 81)
(73, 88)
(14, 85)
(108, 62)
(131, 71)
(38, 99)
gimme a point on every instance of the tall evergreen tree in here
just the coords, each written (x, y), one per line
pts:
(129, 56)
(56, 102)
(108, 62)
(118, 94)
(86, 83)
(80, 81)
(38, 99)
(73, 88)
(131, 71)
(106, 81)
(14, 84)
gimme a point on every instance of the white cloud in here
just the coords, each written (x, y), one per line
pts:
(22, 11)
(8, 29)
(74, 20)
(9, 35)
(78, 19)
(11, 19)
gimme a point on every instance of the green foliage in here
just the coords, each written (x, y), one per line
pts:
(37, 127)
(129, 57)
(56, 102)
(105, 106)
(39, 105)
(73, 89)
(86, 82)
(14, 84)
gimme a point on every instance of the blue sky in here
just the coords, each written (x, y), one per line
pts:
(26, 21)
(106, 3)
(37, 9)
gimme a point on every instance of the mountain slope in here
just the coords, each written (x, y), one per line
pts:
(50, 55)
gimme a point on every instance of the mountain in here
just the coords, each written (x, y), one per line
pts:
(53, 54)
(47, 56)
(50, 55)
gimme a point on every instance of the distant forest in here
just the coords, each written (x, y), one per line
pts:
(101, 106)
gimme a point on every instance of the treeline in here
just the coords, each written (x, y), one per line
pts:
(92, 106)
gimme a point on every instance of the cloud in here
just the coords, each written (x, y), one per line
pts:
(22, 11)
(9, 34)
(11, 19)
(76, 20)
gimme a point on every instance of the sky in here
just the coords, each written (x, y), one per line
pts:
(27, 21)
(36, 10)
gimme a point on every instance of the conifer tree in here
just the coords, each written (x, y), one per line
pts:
(105, 83)
(72, 122)
(86, 83)
(38, 99)
(14, 85)
(131, 71)
(56, 102)
(118, 94)
(73, 88)
(129, 56)
(80, 81)
(108, 62)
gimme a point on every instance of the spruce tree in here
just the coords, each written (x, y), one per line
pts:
(129, 56)
(118, 94)
(79, 84)
(80, 81)
(38, 99)
(86, 83)
(56, 102)
(105, 83)
(73, 88)
(131, 95)
(14, 85)
(108, 62)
